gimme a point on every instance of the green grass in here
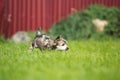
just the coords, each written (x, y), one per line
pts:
(86, 60)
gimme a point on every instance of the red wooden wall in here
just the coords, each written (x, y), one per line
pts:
(27, 15)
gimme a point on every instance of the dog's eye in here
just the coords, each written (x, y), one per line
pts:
(63, 44)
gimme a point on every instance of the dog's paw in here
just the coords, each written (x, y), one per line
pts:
(30, 49)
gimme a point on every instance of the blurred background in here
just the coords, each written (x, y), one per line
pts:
(66, 17)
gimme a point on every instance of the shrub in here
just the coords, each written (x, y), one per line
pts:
(79, 25)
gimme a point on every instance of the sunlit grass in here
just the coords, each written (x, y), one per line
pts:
(86, 60)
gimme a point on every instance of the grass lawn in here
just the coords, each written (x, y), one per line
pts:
(86, 60)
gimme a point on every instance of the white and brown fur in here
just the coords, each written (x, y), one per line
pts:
(43, 41)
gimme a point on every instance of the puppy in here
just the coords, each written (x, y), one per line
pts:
(43, 41)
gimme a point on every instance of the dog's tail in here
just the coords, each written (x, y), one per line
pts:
(38, 33)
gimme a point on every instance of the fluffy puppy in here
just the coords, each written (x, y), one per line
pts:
(43, 41)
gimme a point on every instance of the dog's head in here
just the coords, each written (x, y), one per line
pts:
(60, 43)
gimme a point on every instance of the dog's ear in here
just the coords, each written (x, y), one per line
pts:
(59, 37)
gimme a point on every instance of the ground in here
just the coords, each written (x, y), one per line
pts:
(86, 60)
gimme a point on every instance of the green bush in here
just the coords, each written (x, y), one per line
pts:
(79, 24)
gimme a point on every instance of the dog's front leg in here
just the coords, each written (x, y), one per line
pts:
(31, 47)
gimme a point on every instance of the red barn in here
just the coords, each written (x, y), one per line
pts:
(16, 15)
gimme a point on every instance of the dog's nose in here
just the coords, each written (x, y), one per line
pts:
(67, 48)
